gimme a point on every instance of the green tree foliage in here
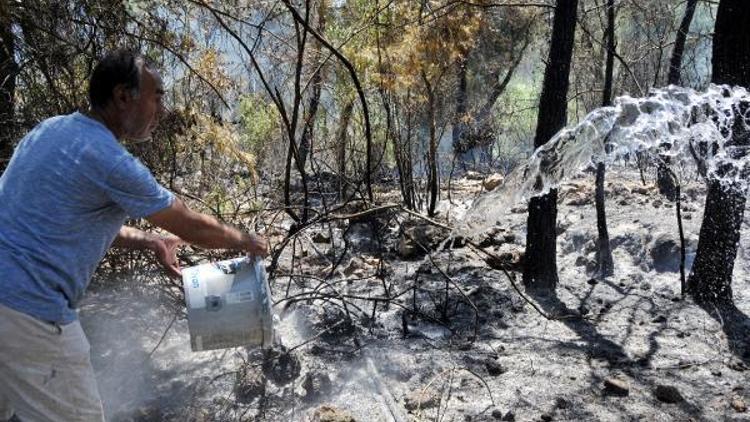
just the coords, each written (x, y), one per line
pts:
(259, 122)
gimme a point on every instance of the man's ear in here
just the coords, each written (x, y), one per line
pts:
(121, 96)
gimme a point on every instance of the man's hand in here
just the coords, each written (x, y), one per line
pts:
(165, 249)
(257, 245)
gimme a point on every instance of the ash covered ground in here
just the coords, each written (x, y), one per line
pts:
(455, 341)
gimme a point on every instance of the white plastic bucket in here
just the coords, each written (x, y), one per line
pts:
(229, 304)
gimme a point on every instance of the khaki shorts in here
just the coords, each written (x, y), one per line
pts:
(45, 371)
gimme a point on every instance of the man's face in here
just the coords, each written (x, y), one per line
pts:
(143, 112)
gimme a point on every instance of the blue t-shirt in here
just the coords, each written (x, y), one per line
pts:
(64, 196)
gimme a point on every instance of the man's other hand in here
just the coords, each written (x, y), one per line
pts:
(165, 248)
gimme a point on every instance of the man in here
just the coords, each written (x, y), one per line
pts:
(64, 197)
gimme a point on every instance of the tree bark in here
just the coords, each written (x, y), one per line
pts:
(711, 276)
(540, 269)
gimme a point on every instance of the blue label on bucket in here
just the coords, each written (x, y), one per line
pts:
(195, 281)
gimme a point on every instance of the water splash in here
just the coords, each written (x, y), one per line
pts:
(690, 127)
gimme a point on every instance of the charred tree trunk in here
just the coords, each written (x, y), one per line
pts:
(540, 270)
(7, 85)
(407, 161)
(402, 154)
(664, 178)
(604, 262)
(675, 63)
(346, 114)
(711, 276)
(433, 183)
(305, 142)
(460, 125)
(605, 265)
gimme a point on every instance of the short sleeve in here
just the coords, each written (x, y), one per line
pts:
(132, 186)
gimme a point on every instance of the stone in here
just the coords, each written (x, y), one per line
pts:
(474, 175)
(360, 267)
(659, 319)
(492, 181)
(739, 405)
(616, 387)
(579, 199)
(546, 417)
(642, 190)
(416, 239)
(510, 258)
(562, 403)
(496, 236)
(321, 237)
(407, 249)
(509, 417)
(668, 394)
(328, 413)
(618, 190)
(497, 414)
(665, 253)
(494, 368)
(421, 399)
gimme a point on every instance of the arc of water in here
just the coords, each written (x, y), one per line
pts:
(679, 118)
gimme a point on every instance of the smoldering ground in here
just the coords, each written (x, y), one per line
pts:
(633, 331)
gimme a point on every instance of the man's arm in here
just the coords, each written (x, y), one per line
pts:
(132, 238)
(205, 231)
(165, 247)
